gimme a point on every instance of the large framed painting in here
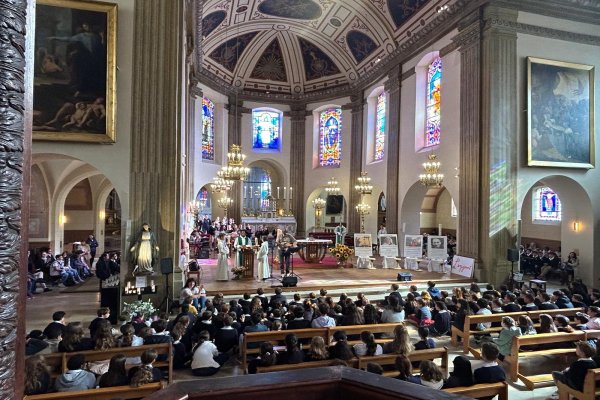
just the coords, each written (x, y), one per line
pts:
(560, 114)
(74, 71)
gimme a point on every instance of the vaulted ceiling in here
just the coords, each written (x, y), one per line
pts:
(296, 47)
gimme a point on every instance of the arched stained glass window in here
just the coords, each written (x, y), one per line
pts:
(433, 103)
(266, 128)
(546, 205)
(208, 129)
(330, 137)
(380, 127)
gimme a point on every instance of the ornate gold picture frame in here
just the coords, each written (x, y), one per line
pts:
(74, 95)
(560, 114)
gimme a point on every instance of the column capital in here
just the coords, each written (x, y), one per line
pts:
(500, 20)
(297, 112)
(235, 106)
(469, 35)
(356, 105)
(195, 90)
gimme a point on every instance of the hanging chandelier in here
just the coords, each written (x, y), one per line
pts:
(432, 177)
(225, 202)
(235, 169)
(332, 186)
(364, 184)
(318, 203)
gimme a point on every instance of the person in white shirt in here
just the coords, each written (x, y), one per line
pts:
(323, 321)
(206, 360)
(368, 347)
(594, 314)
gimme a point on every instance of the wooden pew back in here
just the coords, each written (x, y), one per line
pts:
(117, 392)
(309, 364)
(591, 387)
(499, 389)
(415, 356)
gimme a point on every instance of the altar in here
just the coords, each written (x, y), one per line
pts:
(313, 250)
(286, 224)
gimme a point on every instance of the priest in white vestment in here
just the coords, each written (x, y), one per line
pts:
(264, 270)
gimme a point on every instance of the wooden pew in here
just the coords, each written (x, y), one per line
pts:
(277, 338)
(117, 392)
(309, 364)
(590, 387)
(415, 356)
(499, 389)
(467, 332)
(531, 340)
(58, 361)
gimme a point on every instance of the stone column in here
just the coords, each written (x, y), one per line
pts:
(392, 148)
(297, 164)
(469, 42)
(356, 107)
(234, 136)
(16, 75)
(156, 153)
(498, 184)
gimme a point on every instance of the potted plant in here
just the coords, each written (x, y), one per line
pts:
(342, 253)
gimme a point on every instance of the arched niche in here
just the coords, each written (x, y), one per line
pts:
(328, 221)
(575, 232)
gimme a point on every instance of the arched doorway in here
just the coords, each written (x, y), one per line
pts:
(556, 212)
(334, 211)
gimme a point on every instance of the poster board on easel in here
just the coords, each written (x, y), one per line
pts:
(413, 246)
(363, 245)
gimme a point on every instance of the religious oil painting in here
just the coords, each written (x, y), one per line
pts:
(75, 71)
(560, 114)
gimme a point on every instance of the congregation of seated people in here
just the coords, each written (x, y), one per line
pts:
(545, 263)
(206, 336)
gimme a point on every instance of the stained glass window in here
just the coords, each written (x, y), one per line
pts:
(208, 129)
(432, 111)
(266, 126)
(330, 137)
(546, 205)
(380, 127)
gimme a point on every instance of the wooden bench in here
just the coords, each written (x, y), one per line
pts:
(499, 389)
(57, 362)
(117, 392)
(353, 363)
(531, 340)
(591, 388)
(467, 332)
(415, 356)
(277, 338)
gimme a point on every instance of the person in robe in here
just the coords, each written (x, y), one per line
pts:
(144, 251)
(340, 233)
(264, 270)
(222, 263)
(240, 243)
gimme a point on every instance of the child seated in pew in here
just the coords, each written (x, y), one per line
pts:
(563, 324)
(266, 358)
(431, 375)
(76, 378)
(404, 367)
(442, 320)
(368, 347)
(426, 342)
(145, 373)
(340, 349)
(180, 354)
(374, 368)
(462, 375)
(318, 350)
(293, 353)
(526, 325)
(116, 374)
(206, 360)
(574, 376)
(504, 339)
(37, 377)
(490, 371)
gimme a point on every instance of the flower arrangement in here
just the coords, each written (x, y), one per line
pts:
(341, 252)
(139, 307)
(238, 271)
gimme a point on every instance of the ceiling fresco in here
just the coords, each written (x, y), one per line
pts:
(298, 47)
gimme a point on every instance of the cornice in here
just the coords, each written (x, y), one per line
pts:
(468, 36)
(557, 34)
(586, 11)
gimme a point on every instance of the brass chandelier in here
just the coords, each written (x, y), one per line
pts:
(221, 185)
(432, 177)
(364, 184)
(235, 169)
(332, 186)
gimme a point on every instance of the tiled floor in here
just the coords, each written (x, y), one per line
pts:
(82, 307)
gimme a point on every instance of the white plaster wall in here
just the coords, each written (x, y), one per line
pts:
(444, 212)
(573, 200)
(79, 220)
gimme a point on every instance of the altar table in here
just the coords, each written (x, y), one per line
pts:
(313, 251)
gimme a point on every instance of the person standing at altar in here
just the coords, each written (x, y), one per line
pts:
(264, 270)
(222, 264)
(240, 243)
(340, 233)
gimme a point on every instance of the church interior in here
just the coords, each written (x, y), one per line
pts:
(380, 198)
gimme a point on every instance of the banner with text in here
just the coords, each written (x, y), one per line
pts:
(463, 266)
(413, 246)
